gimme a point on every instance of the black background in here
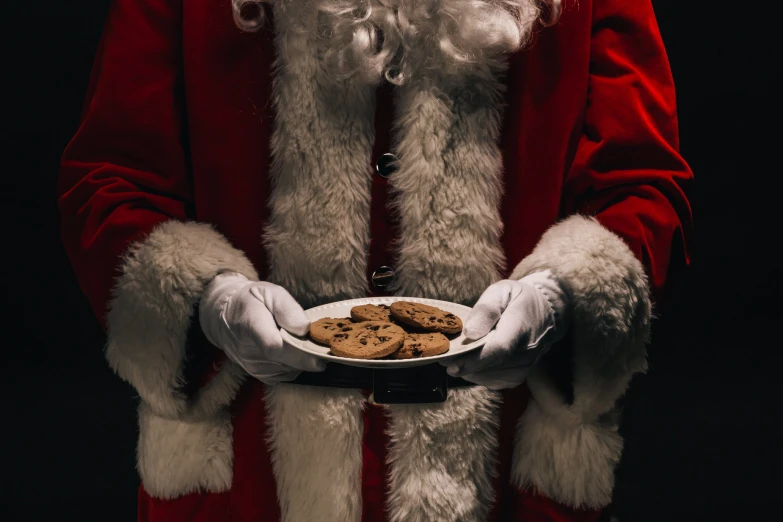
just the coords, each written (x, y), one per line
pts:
(703, 427)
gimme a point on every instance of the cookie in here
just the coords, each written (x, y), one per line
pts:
(417, 345)
(369, 340)
(426, 317)
(322, 330)
(371, 312)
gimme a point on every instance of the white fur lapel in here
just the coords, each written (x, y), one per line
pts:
(442, 458)
(449, 184)
(316, 443)
(447, 196)
(318, 233)
(317, 241)
(447, 193)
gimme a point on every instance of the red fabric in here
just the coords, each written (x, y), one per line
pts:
(515, 401)
(591, 127)
(532, 507)
(124, 171)
(253, 493)
(177, 125)
(627, 161)
(382, 221)
(374, 465)
(196, 507)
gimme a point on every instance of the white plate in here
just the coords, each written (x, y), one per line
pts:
(339, 309)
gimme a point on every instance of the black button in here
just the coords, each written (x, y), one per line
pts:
(382, 277)
(386, 165)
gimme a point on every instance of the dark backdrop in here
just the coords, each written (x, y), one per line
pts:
(701, 427)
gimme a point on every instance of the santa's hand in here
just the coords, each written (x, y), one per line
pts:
(531, 315)
(241, 317)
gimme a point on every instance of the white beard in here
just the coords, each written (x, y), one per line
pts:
(396, 38)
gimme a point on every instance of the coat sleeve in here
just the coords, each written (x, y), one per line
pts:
(628, 171)
(628, 227)
(125, 195)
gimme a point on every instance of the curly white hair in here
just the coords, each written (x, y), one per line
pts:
(392, 38)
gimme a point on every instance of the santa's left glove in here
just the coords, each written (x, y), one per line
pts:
(529, 315)
(241, 317)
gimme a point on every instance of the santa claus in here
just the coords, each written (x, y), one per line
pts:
(238, 161)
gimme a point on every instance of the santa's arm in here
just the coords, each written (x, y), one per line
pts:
(628, 184)
(628, 171)
(124, 197)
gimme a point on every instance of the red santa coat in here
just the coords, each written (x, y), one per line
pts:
(190, 161)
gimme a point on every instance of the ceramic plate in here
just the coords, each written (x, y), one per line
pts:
(339, 309)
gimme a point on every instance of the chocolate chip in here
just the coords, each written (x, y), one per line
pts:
(340, 325)
(363, 341)
(416, 352)
(346, 329)
(383, 339)
(374, 327)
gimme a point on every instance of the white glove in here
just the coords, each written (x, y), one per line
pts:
(531, 314)
(238, 316)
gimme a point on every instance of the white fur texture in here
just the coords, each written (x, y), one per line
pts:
(184, 445)
(318, 235)
(569, 452)
(163, 276)
(177, 457)
(565, 458)
(448, 186)
(443, 458)
(316, 445)
(447, 195)
(317, 241)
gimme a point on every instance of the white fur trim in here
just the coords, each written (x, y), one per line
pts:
(443, 458)
(447, 191)
(162, 279)
(448, 186)
(316, 445)
(569, 452)
(319, 229)
(317, 241)
(178, 457)
(184, 445)
(566, 459)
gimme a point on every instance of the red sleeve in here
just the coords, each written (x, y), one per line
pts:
(628, 171)
(124, 171)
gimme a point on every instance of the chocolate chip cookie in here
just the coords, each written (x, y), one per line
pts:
(371, 312)
(426, 317)
(418, 345)
(322, 330)
(369, 340)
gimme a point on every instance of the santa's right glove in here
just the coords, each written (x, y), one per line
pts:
(241, 317)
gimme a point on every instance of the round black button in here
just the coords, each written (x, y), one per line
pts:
(382, 277)
(386, 165)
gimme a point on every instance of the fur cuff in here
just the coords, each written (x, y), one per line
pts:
(568, 452)
(175, 457)
(162, 279)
